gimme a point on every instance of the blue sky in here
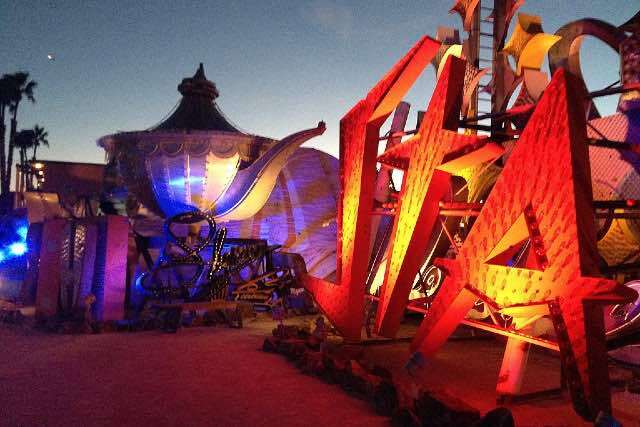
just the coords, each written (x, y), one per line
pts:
(280, 66)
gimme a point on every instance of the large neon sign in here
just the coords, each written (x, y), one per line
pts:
(542, 200)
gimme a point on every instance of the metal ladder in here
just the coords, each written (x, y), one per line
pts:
(485, 59)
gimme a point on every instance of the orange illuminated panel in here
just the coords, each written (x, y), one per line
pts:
(426, 179)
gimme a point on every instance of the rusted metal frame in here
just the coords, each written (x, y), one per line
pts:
(596, 130)
(460, 205)
(531, 320)
(387, 212)
(496, 136)
(534, 395)
(475, 126)
(630, 204)
(614, 90)
(458, 212)
(605, 142)
(459, 209)
(622, 268)
(389, 135)
(512, 334)
(473, 56)
(500, 116)
(617, 145)
(604, 229)
(499, 91)
(618, 215)
(491, 328)
(446, 232)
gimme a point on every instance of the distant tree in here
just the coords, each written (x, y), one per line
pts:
(19, 87)
(24, 140)
(40, 139)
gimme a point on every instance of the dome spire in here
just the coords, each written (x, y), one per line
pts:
(198, 85)
(197, 109)
(199, 75)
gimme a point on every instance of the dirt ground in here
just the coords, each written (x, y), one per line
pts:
(219, 376)
(212, 376)
(468, 369)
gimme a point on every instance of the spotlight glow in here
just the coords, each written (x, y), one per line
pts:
(18, 248)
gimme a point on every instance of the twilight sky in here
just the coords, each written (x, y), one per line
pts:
(280, 66)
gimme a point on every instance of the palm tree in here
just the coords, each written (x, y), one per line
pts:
(5, 101)
(40, 138)
(20, 87)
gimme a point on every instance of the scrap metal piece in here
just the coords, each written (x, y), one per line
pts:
(566, 52)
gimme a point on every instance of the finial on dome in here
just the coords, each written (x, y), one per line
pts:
(198, 85)
(199, 75)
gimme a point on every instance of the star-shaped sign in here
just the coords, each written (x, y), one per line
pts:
(544, 194)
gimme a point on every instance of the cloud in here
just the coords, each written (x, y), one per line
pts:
(331, 17)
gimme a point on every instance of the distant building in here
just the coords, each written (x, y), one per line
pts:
(71, 181)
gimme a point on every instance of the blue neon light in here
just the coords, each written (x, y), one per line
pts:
(18, 248)
(180, 182)
(13, 237)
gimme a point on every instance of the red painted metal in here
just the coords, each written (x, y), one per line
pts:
(49, 269)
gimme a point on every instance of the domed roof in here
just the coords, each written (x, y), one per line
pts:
(197, 109)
